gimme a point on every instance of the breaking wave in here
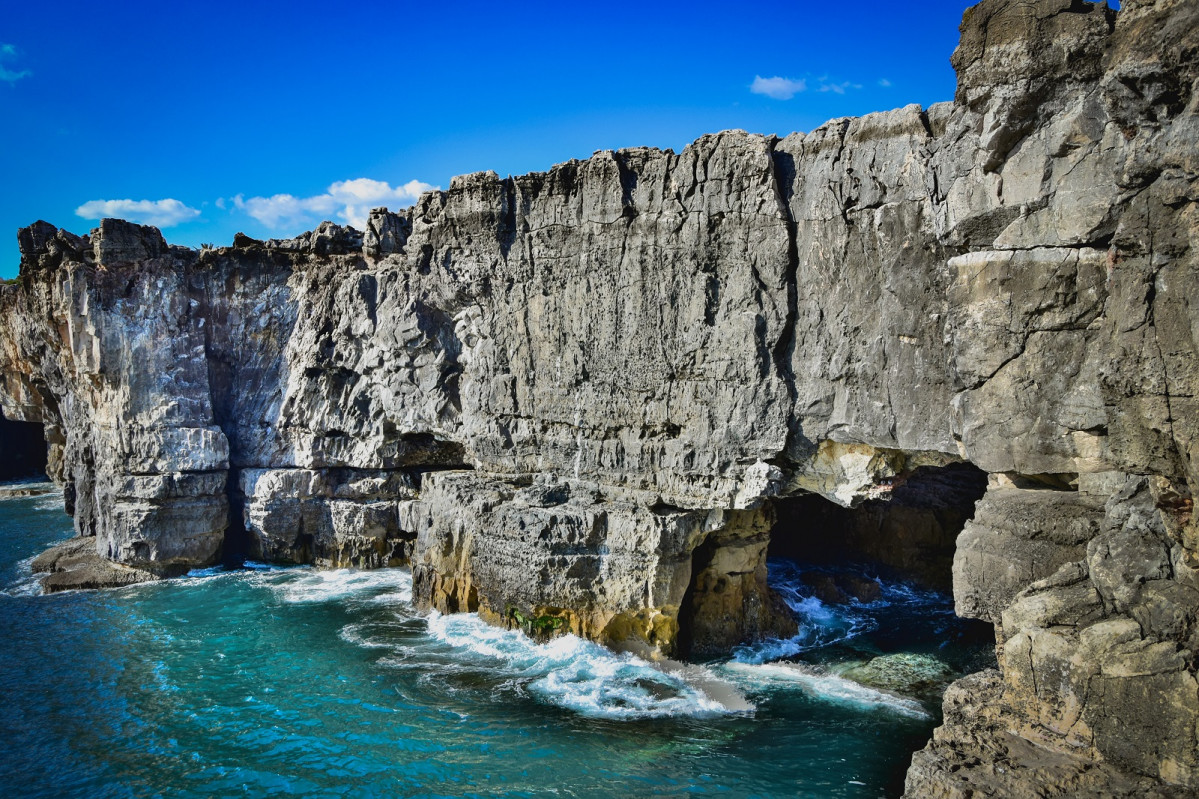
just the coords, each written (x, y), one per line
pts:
(823, 625)
(579, 675)
(382, 586)
(822, 684)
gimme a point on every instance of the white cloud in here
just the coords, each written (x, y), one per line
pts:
(7, 52)
(160, 213)
(776, 87)
(884, 82)
(839, 88)
(786, 88)
(349, 200)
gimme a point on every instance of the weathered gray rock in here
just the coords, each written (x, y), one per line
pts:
(331, 518)
(1017, 537)
(974, 754)
(640, 353)
(76, 566)
(595, 561)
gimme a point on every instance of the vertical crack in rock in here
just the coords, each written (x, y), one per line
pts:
(783, 176)
(690, 607)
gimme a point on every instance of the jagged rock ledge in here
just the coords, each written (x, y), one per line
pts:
(581, 399)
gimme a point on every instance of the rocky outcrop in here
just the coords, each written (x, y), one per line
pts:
(76, 566)
(1096, 606)
(605, 563)
(573, 399)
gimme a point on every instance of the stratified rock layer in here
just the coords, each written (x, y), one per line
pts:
(570, 399)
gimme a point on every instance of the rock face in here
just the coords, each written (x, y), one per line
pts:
(608, 564)
(573, 400)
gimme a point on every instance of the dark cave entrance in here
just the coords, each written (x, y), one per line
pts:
(871, 590)
(909, 537)
(236, 546)
(689, 611)
(748, 579)
(23, 448)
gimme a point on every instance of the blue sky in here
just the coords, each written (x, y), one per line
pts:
(197, 117)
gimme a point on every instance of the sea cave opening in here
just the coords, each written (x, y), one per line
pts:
(909, 535)
(870, 587)
(845, 616)
(25, 451)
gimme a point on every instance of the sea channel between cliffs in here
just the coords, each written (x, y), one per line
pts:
(640, 435)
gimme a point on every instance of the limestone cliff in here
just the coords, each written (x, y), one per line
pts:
(571, 399)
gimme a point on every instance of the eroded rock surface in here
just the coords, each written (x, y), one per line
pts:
(76, 566)
(572, 399)
(595, 561)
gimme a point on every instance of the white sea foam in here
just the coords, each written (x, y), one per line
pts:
(52, 501)
(211, 571)
(821, 684)
(820, 625)
(583, 676)
(44, 488)
(27, 583)
(378, 585)
(371, 635)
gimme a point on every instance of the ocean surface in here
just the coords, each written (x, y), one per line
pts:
(296, 682)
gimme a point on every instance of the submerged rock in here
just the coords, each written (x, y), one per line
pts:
(839, 589)
(17, 491)
(905, 673)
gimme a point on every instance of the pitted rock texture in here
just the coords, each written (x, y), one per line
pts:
(75, 566)
(600, 562)
(638, 353)
(335, 518)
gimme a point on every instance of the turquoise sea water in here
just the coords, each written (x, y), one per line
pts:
(297, 682)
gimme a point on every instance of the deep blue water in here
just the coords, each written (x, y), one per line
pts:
(296, 682)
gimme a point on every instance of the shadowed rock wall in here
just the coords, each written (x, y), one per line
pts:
(569, 398)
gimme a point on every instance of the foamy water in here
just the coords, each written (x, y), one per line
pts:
(577, 674)
(566, 671)
(589, 679)
(822, 684)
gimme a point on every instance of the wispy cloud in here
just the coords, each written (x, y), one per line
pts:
(349, 200)
(837, 88)
(7, 53)
(160, 213)
(777, 88)
(884, 83)
(780, 88)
